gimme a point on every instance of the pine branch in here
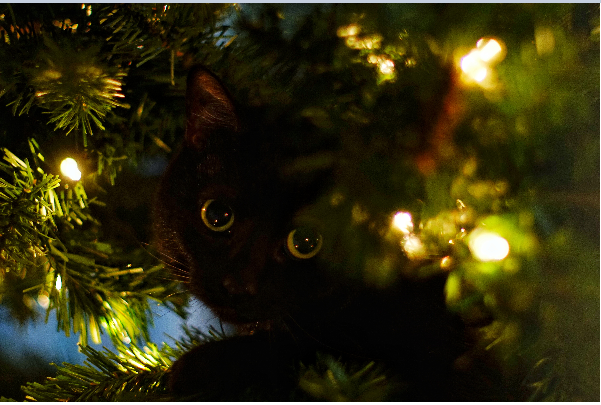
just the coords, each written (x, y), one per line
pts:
(25, 213)
(86, 294)
(331, 380)
(132, 374)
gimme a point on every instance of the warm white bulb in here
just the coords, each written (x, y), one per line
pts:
(413, 247)
(69, 168)
(43, 301)
(489, 50)
(386, 67)
(471, 62)
(402, 221)
(488, 246)
(480, 74)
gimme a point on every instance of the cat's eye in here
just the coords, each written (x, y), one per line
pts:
(304, 243)
(217, 216)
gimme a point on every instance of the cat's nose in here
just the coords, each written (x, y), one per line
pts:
(234, 287)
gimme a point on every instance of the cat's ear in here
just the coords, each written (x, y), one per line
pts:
(209, 108)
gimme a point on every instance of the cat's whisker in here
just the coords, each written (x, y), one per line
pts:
(179, 272)
(171, 258)
(176, 293)
(176, 274)
(288, 315)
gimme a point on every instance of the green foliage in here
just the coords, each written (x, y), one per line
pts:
(515, 156)
(79, 278)
(26, 203)
(70, 63)
(132, 374)
(330, 380)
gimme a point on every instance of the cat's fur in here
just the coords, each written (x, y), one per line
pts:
(295, 308)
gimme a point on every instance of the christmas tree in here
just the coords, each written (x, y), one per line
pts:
(505, 183)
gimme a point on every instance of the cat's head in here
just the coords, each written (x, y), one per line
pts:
(254, 212)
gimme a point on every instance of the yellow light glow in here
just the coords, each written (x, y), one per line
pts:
(386, 67)
(366, 42)
(352, 42)
(359, 214)
(403, 222)
(488, 49)
(446, 262)
(43, 301)
(480, 74)
(470, 62)
(477, 63)
(348, 30)
(59, 282)
(414, 248)
(488, 246)
(474, 67)
(544, 40)
(373, 58)
(69, 168)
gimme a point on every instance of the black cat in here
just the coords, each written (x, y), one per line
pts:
(242, 226)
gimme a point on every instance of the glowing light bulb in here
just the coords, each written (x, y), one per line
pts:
(488, 50)
(386, 67)
(43, 301)
(403, 222)
(69, 168)
(488, 246)
(474, 67)
(348, 30)
(373, 58)
(446, 262)
(413, 247)
(477, 63)
(59, 282)
(470, 62)
(480, 74)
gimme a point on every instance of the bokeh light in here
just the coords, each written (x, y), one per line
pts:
(69, 168)
(488, 246)
(413, 247)
(386, 67)
(446, 262)
(477, 64)
(402, 221)
(43, 301)
(488, 50)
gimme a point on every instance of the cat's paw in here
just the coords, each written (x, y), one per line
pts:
(242, 368)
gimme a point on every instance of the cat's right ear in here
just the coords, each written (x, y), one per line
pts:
(209, 108)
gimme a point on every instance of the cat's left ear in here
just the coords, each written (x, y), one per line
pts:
(209, 108)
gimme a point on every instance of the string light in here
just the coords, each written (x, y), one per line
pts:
(348, 30)
(446, 262)
(386, 67)
(477, 64)
(59, 282)
(403, 222)
(488, 246)
(69, 168)
(43, 301)
(413, 247)
(488, 50)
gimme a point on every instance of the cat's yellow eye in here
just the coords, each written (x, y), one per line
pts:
(217, 216)
(304, 243)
